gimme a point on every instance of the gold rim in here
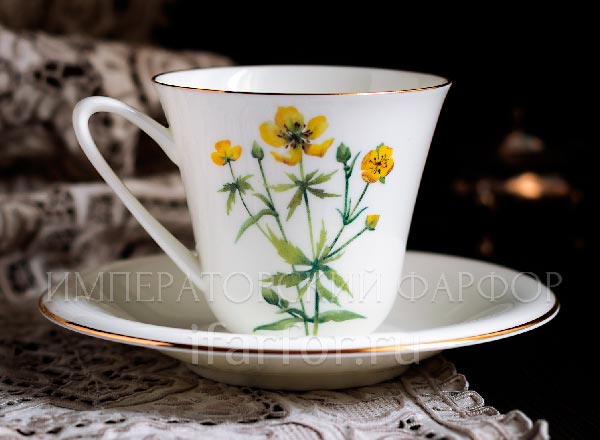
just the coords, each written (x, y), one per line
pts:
(446, 82)
(388, 348)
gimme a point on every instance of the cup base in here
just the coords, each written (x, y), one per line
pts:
(299, 381)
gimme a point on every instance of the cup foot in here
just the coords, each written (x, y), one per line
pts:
(299, 382)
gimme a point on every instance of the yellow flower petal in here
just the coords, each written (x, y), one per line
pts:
(217, 158)
(369, 160)
(318, 149)
(235, 152)
(289, 117)
(370, 177)
(390, 165)
(317, 126)
(222, 146)
(385, 151)
(270, 134)
(292, 159)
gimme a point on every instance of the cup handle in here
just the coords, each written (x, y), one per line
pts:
(180, 254)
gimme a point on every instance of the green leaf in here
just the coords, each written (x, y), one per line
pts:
(270, 296)
(282, 187)
(356, 215)
(310, 175)
(382, 179)
(294, 203)
(243, 185)
(320, 193)
(230, 200)
(292, 311)
(279, 325)
(273, 298)
(337, 279)
(351, 166)
(253, 220)
(326, 294)
(228, 187)
(322, 238)
(321, 178)
(338, 316)
(290, 253)
(265, 200)
(294, 178)
(286, 279)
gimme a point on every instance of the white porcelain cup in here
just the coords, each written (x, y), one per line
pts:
(300, 181)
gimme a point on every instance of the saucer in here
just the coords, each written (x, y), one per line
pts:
(443, 302)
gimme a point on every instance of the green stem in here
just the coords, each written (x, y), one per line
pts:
(359, 199)
(244, 202)
(298, 314)
(312, 248)
(316, 317)
(347, 176)
(337, 237)
(346, 208)
(310, 227)
(266, 185)
(304, 316)
(331, 254)
(280, 225)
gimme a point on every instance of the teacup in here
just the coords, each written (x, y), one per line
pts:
(300, 181)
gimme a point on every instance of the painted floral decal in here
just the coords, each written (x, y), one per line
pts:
(309, 272)
(225, 153)
(377, 164)
(289, 131)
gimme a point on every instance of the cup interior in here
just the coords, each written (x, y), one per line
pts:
(301, 80)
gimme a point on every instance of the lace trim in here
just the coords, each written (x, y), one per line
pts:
(55, 382)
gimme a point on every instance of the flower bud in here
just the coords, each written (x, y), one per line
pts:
(371, 222)
(343, 154)
(257, 151)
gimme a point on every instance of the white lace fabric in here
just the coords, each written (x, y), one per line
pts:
(59, 384)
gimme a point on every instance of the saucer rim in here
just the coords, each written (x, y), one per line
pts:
(392, 348)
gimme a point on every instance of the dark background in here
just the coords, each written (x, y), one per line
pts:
(530, 75)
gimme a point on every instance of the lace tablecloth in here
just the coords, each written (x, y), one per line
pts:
(58, 384)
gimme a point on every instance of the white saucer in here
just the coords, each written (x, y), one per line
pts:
(443, 302)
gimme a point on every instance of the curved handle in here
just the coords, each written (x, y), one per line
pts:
(180, 255)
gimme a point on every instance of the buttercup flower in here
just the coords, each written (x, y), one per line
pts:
(377, 164)
(225, 153)
(289, 130)
(371, 222)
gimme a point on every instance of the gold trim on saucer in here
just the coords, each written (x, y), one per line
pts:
(446, 82)
(431, 345)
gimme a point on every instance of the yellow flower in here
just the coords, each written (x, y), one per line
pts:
(371, 222)
(289, 130)
(377, 164)
(225, 153)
